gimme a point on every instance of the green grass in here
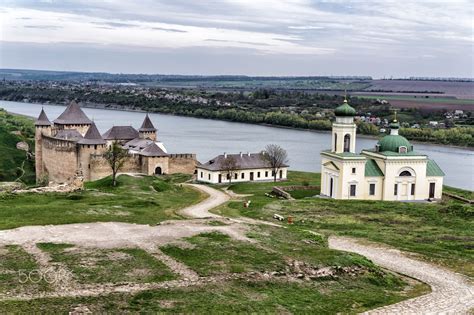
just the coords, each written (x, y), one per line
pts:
(440, 232)
(459, 192)
(134, 200)
(215, 253)
(304, 193)
(92, 265)
(15, 266)
(12, 160)
(344, 296)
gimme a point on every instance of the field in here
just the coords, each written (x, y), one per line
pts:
(197, 266)
(438, 232)
(145, 200)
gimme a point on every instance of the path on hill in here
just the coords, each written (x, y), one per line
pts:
(451, 292)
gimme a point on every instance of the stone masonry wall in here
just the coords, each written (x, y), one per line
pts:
(100, 168)
(182, 163)
(59, 159)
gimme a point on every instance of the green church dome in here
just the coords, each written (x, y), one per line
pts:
(345, 110)
(393, 143)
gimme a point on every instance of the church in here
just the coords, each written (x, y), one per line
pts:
(391, 171)
(71, 147)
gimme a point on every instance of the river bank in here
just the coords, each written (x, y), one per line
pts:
(130, 109)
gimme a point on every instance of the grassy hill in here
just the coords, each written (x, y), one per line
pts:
(14, 164)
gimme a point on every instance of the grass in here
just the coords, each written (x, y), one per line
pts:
(215, 253)
(143, 200)
(92, 265)
(459, 192)
(241, 296)
(15, 266)
(13, 162)
(304, 193)
(439, 232)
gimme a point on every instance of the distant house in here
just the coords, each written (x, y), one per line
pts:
(248, 167)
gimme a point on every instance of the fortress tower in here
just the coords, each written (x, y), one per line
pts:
(42, 127)
(91, 144)
(147, 130)
(73, 118)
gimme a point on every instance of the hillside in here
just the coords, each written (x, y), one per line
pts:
(14, 164)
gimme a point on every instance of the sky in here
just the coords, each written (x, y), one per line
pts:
(249, 37)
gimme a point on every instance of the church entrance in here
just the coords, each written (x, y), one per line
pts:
(158, 171)
(331, 187)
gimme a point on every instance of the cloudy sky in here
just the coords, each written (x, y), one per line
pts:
(253, 37)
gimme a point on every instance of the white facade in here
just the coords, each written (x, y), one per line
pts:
(391, 172)
(244, 175)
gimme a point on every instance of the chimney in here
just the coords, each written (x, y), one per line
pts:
(225, 155)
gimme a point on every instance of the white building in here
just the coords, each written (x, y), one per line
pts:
(248, 167)
(390, 171)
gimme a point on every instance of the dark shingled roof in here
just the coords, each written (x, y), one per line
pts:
(42, 119)
(147, 125)
(73, 115)
(69, 134)
(92, 136)
(153, 150)
(121, 133)
(137, 144)
(243, 161)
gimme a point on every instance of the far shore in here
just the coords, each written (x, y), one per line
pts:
(125, 109)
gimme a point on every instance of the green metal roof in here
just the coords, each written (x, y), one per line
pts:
(432, 169)
(372, 169)
(393, 143)
(345, 110)
(390, 153)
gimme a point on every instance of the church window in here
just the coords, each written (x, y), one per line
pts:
(347, 143)
(372, 189)
(405, 173)
(335, 142)
(353, 170)
(353, 190)
(395, 190)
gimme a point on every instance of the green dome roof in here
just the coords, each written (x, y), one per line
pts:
(345, 110)
(393, 143)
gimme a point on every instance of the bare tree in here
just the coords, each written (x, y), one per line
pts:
(230, 166)
(116, 157)
(276, 157)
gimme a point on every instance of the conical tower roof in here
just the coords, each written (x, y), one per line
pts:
(92, 136)
(147, 125)
(42, 119)
(73, 115)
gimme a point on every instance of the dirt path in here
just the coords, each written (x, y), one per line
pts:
(201, 210)
(452, 293)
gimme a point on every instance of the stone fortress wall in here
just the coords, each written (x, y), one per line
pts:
(59, 158)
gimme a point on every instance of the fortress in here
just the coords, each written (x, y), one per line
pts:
(72, 146)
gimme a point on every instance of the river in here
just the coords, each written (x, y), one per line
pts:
(208, 138)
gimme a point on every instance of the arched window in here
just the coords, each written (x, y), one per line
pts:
(335, 142)
(347, 143)
(405, 173)
(402, 149)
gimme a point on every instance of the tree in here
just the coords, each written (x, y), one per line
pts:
(116, 157)
(230, 166)
(276, 157)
